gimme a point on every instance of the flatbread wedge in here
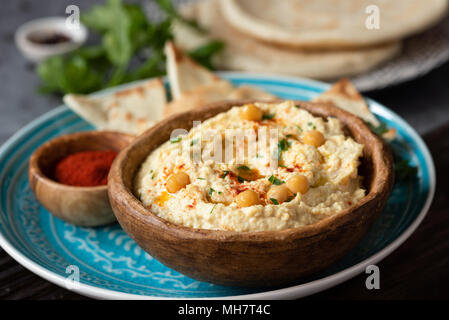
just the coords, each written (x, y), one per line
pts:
(344, 95)
(184, 74)
(194, 86)
(132, 110)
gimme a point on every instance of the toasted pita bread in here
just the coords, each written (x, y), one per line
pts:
(194, 86)
(330, 23)
(132, 110)
(184, 74)
(344, 95)
(247, 54)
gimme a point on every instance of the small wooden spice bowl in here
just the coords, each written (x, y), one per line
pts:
(264, 258)
(82, 206)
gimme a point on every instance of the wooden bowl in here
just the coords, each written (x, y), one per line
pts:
(250, 258)
(83, 206)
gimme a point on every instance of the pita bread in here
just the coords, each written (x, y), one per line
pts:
(132, 110)
(344, 95)
(247, 54)
(330, 23)
(194, 86)
(184, 74)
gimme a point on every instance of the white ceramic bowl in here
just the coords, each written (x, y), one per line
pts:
(37, 52)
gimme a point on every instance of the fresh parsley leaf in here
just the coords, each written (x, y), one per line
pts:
(268, 116)
(169, 9)
(213, 208)
(200, 178)
(282, 146)
(193, 142)
(274, 201)
(402, 168)
(204, 54)
(380, 129)
(126, 35)
(240, 179)
(275, 181)
(211, 191)
(243, 167)
(225, 173)
(175, 140)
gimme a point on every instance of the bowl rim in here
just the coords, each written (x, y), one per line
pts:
(35, 169)
(135, 207)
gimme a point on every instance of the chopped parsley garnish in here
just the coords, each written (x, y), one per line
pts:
(310, 124)
(297, 106)
(282, 146)
(175, 140)
(275, 181)
(193, 142)
(299, 129)
(212, 210)
(225, 173)
(289, 136)
(240, 179)
(243, 167)
(274, 201)
(211, 191)
(152, 174)
(201, 178)
(268, 116)
(380, 129)
(402, 167)
(404, 170)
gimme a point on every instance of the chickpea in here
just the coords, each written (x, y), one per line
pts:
(313, 138)
(279, 193)
(298, 183)
(251, 112)
(177, 181)
(248, 198)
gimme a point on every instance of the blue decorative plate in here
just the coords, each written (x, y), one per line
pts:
(111, 265)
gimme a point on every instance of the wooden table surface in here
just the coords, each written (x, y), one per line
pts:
(419, 269)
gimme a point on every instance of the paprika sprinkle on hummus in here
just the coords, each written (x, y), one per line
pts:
(85, 169)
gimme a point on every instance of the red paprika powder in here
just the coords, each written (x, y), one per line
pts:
(85, 169)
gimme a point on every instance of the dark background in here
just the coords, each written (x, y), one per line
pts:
(419, 269)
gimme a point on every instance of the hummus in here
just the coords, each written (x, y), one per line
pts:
(209, 199)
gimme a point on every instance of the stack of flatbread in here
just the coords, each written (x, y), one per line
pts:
(322, 39)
